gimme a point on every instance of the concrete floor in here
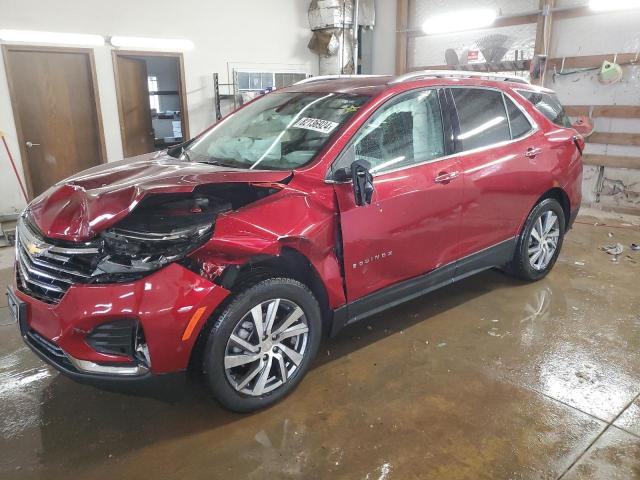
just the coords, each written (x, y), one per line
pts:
(489, 378)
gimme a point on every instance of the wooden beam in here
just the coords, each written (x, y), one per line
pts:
(608, 111)
(590, 61)
(577, 110)
(543, 35)
(402, 38)
(631, 139)
(612, 161)
(616, 111)
(506, 66)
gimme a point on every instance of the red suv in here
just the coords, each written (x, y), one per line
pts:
(308, 209)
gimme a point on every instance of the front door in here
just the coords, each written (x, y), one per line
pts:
(55, 108)
(412, 224)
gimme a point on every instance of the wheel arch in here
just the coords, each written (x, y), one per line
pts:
(288, 263)
(562, 197)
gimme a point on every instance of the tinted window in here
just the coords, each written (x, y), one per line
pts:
(482, 117)
(404, 131)
(549, 106)
(520, 125)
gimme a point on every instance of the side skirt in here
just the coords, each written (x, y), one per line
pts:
(495, 256)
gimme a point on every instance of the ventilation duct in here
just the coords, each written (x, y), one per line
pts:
(331, 22)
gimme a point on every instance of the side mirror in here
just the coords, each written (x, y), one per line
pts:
(362, 182)
(584, 126)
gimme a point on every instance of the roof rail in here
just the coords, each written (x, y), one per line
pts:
(319, 78)
(456, 74)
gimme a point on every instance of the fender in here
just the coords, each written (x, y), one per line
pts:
(308, 226)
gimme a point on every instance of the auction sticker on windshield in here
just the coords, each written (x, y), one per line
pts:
(316, 124)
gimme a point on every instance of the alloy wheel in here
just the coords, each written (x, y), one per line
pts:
(266, 347)
(543, 240)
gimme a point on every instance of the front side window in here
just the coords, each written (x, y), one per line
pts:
(549, 106)
(405, 131)
(279, 131)
(482, 118)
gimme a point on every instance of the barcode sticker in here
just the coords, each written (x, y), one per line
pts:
(316, 124)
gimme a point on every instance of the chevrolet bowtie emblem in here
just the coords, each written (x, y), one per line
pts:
(34, 249)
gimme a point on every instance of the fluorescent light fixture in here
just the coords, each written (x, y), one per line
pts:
(32, 36)
(613, 4)
(153, 43)
(457, 21)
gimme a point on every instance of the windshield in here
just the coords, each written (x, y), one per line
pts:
(280, 131)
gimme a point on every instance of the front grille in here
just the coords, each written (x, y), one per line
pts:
(44, 269)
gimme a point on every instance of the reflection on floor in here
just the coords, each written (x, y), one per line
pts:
(489, 378)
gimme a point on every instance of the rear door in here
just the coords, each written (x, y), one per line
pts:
(412, 224)
(496, 142)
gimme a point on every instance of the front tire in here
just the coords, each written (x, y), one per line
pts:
(262, 344)
(539, 244)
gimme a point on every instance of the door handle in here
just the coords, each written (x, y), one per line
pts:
(31, 144)
(532, 152)
(444, 177)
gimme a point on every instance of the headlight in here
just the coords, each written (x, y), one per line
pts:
(135, 252)
(153, 236)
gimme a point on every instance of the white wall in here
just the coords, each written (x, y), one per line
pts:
(606, 33)
(249, 34)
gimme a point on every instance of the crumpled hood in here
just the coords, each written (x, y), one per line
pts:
(85, 204)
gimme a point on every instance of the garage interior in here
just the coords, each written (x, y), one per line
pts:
(487, 378)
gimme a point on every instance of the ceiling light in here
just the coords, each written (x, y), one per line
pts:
(458, 21)
(51, 37)
(154, 43)
(613, 4)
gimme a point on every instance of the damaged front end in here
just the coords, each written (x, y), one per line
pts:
(163, 228)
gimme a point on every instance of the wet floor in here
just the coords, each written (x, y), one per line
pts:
(490, 378)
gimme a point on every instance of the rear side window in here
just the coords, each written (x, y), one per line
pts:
(549, 106)
(520, 125)
(482, 118)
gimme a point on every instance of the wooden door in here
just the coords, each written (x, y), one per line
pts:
(56, 111)
(133, 89)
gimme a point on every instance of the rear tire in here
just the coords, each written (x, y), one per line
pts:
(540, 242)
(251, 366)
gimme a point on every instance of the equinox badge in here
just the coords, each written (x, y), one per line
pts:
(372, 259)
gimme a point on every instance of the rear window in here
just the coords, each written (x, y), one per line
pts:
(482, 118)
(549, 106)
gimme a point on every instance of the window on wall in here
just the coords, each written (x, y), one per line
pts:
(405, 131)
(154, 100)
(482, 118)
(257, 81)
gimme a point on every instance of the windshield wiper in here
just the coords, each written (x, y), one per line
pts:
(185, 152)
(220, 163)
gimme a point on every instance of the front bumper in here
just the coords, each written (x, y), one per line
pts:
(164, 303)
(80, 369)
